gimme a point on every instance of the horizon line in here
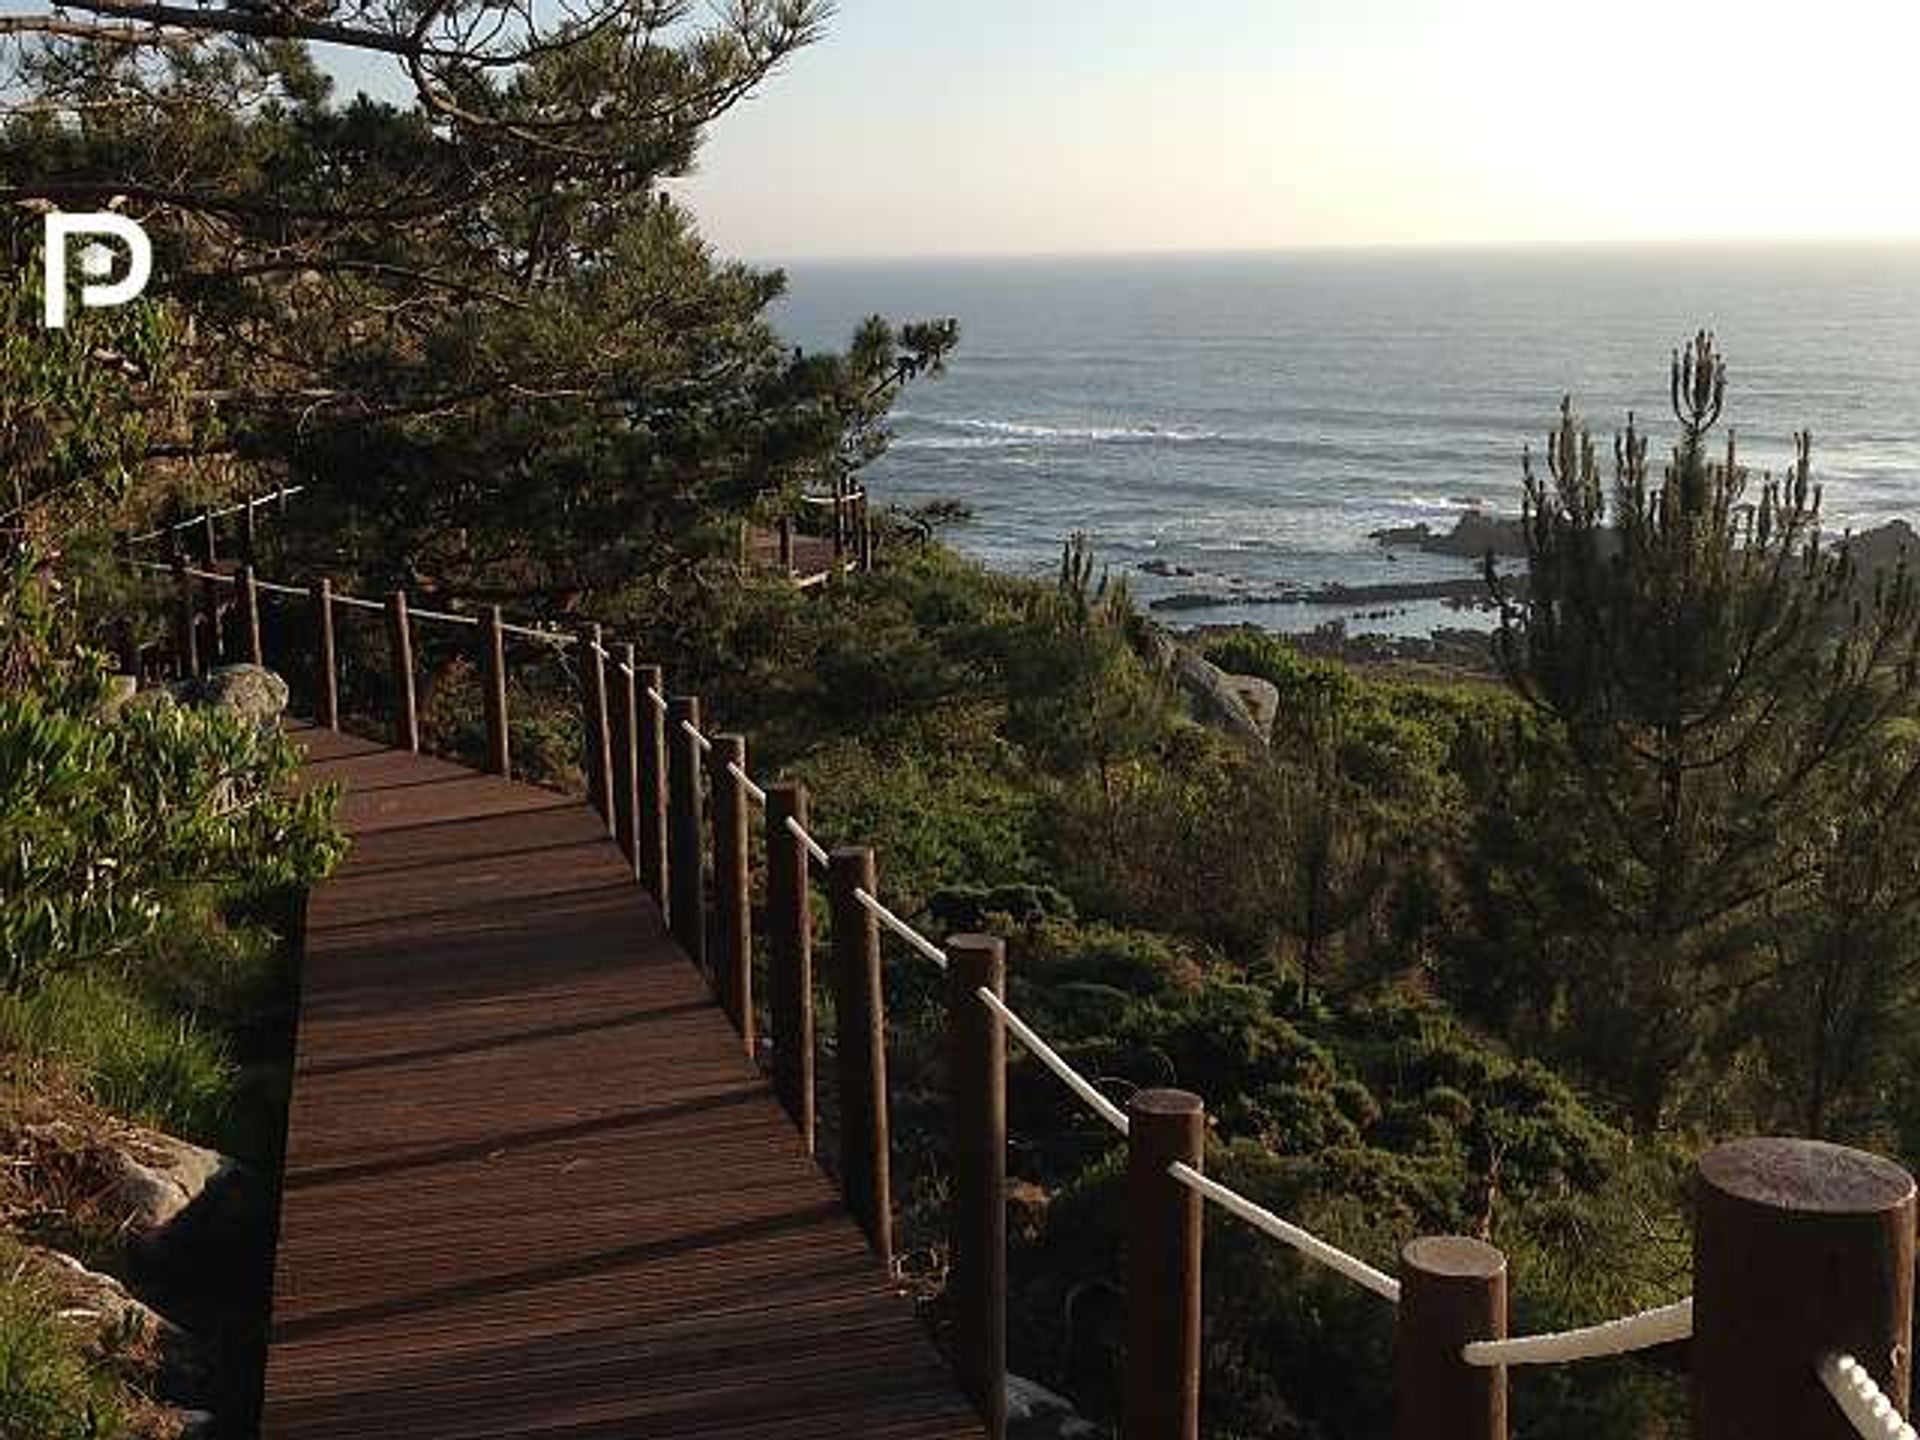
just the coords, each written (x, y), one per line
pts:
(1365, 247)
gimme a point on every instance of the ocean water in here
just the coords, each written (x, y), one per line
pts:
(1241, 423)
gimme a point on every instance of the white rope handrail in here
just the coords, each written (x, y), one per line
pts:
(1660, 1326)
(900, 927)
(1312, 1246)
(1860, 1399)
(657, 700)
(535, 632)
(754, 792)
(814, 847)
(443, 617)
(194, 572)
(1049, 1057)
(286, 492)
(354, 602)
(693, 734)
(274, 587)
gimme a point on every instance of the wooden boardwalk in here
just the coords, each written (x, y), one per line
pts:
(533, 1186)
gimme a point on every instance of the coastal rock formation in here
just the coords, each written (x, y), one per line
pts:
(1474, 534)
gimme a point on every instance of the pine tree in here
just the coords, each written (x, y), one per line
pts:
(1712, 666)
(476, 318)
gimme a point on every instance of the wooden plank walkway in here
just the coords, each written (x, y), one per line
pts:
(533, 1187)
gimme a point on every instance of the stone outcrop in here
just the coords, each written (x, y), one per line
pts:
(1474, 534)
(1217, 698)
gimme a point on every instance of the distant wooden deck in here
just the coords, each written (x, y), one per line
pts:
(533, 1187)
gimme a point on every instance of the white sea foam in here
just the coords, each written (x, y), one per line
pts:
(976, 433)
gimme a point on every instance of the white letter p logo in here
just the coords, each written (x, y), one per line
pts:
(96, 262)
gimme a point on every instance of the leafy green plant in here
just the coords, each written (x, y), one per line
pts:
(104, 819)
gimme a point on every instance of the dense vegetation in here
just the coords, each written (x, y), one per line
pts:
(1482, 953)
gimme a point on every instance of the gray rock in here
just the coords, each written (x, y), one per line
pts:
(1213, 696)
(126, 1329)
(153, 1187)
(251, 691)
(1262, 699)
(187, 1210)
(1210, 691)
(1037, 1413)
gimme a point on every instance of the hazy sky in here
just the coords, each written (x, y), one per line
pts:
(984, 126)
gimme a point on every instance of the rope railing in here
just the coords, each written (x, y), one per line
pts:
(827, 502)
(1872, 1415)
(754, 792)
(1662, 1325)
(1051, 1058)
(1310, 1245)
(273, 497)
(814, 847)
(901, 928)
(693, 733)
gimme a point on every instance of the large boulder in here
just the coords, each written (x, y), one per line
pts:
(1262, 699)
(252, 692)
(1212, 694)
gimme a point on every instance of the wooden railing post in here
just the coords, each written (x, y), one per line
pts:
(406, 715)
(216, 651)
(733, 886)
(626, 757)
(326, 668)
(860, 1012)
(597, 760)
(1163, 1267)
(839, 523)
(1800, 1249)
(651, 680)
(493, 691)
(186, 643)
(1453, 1290)
(249, 529)
(685, 863)
(250, 614)
(786, 543)
(977, 1170)
(790, 955)
(210, 537)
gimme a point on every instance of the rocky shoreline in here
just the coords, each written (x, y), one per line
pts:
(1474, 535)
